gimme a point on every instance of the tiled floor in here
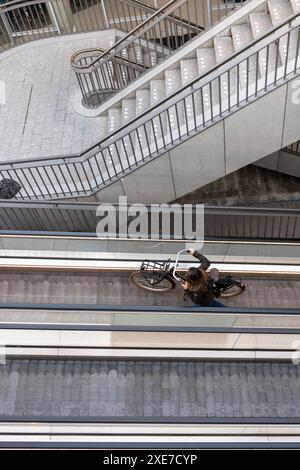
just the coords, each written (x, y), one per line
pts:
(37, 120)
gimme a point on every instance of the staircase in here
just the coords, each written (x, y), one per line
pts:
(187, 121)
(230, 41)
(165, 30)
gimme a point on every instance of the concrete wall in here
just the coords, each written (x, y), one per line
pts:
(282, 161)
(246, 136)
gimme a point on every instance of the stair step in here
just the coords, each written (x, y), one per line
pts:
(279, 11)
(224, 49)
(261, 23)
(241, 37)
(172, 80)
(142, 100)
(150, 59)
(129, 74)
(142, 104)
(114, 119)
(128, 113)
(176, 114)
(206, 58)
(295, 5)
(157, 93)
(128, 110)
(189, 71)
(136, 54)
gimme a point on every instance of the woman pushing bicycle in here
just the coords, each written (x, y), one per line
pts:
(199, 285)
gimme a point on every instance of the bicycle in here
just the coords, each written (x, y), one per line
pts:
(158, 276)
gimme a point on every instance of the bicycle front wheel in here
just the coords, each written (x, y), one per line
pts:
(139, 280)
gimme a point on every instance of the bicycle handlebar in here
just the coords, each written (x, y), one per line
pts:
(176, 263)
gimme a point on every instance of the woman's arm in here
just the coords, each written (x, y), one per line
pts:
(205, 263)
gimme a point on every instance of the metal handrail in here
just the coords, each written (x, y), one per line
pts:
(16, 29)
(95, 50)
(98, 156)
(132, 33)
(175, 18)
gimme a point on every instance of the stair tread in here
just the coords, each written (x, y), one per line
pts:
(142, 100)
(114, 119)
(157, 91)
(136, 54)
(128, 110)
(150, 59)
(172, 80)
(279, 10)
(241, 36)
(223, 48)
(206, 59)
(260, 23)
(189, 70)
(295, 5)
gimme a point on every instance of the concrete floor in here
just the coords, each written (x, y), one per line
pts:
(37, 119)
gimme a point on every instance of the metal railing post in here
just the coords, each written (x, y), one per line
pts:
(105, 13)
(53, 17)
(209, 13)
(62, 16)
(6, 27)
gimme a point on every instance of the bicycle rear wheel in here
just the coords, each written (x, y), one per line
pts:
(140, 280)
(236, 288)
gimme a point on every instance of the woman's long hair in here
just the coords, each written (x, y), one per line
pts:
(197, 280)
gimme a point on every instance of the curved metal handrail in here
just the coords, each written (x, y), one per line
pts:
(133, 35)
(130, 63)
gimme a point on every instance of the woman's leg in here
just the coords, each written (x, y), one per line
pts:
(216, 303)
